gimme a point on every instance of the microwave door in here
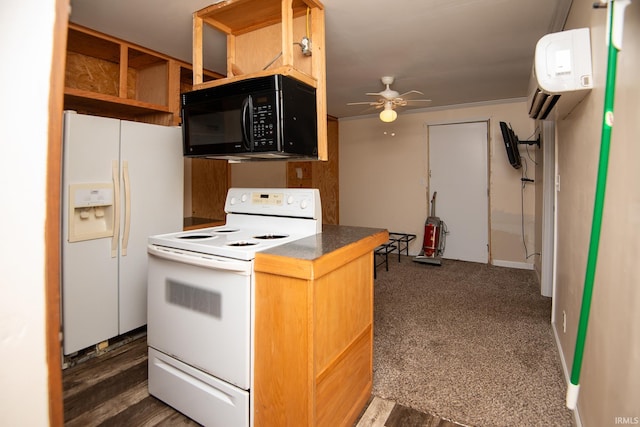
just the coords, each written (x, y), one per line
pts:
(212, 124)
(247, 123)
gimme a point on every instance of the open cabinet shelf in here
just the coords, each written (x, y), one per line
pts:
(92, 102)
(244, 16)
(107, 76)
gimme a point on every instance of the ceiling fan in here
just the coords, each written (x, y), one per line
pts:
(390, 99)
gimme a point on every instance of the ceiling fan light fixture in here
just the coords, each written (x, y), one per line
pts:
(389, 99)
(388, 114)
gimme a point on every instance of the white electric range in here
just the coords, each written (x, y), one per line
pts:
(201, 299)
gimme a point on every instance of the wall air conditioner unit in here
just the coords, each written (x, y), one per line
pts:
(561, 75)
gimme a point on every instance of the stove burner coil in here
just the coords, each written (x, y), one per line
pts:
(195, 236)
(271, 236)
(226, 230)
(241, 243)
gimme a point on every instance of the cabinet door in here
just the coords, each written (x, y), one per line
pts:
(153, 167)
(89, 271)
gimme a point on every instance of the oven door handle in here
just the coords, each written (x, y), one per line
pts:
(201, 260)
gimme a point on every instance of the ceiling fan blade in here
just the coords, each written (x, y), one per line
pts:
(402, 95)
(418, 100)
(371, 109)
(362, 103)
(373, 94)
(368, 110)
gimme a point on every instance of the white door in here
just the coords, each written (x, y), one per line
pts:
(458, 173)
(152, 170)
(89, 268)
(104, 287)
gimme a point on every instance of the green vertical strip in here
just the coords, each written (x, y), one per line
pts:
(596, 225)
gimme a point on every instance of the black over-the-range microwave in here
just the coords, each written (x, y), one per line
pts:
(270, 117)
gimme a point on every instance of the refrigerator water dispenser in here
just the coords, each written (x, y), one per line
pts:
(91, 211)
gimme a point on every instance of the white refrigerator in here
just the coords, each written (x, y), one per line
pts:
(122, 182)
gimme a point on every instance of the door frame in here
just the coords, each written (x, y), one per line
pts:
(549, 211)
(487, 178)
(53, 213)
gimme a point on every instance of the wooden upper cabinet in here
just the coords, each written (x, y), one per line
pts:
(110, 77)
(264, 37)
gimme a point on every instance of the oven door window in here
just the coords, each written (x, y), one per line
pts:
(201, 316)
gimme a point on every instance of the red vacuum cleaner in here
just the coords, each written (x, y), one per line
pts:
(434, 238)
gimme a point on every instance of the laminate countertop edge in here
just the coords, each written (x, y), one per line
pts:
(314, 256)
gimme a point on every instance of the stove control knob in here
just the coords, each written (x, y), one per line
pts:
(244, 197)
(232, 201)
(290, 200)
(303, 204)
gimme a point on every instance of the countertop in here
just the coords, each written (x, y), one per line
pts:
(332, 238)
(315, 255)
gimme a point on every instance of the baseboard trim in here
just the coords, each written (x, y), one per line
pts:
(565, 370)
(512, 264)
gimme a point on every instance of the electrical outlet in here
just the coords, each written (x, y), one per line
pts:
(305, 44)
(558, 183)
(564, 321)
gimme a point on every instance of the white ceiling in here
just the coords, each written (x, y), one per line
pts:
(454, 51)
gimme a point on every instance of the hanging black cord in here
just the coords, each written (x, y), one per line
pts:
(524, 180)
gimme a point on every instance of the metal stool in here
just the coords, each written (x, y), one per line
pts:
(382, 252)
(402, 240)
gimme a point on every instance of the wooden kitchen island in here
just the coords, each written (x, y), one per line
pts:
(314, 328)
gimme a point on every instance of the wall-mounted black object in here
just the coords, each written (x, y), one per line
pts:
(511, 142)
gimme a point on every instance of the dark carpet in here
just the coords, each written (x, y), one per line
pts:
(468, 342)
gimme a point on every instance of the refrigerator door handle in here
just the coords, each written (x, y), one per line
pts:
(116, 208)
(127, 207)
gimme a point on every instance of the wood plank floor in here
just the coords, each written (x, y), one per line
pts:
(110, 389)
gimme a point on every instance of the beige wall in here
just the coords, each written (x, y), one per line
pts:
(384, 178)
(610, 380)
(23, 165)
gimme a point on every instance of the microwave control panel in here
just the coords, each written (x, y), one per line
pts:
(265, 125)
